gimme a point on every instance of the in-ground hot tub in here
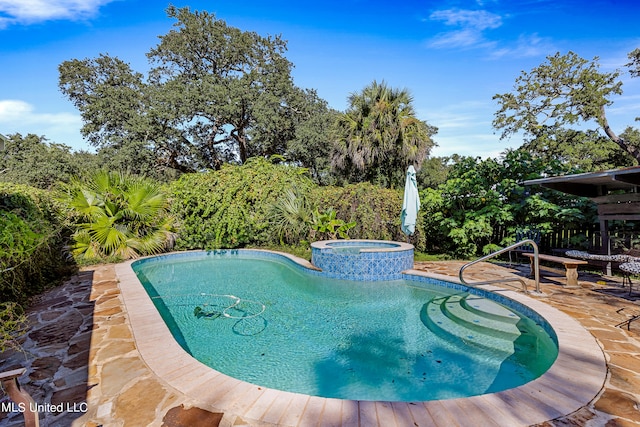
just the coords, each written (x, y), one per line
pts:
(369, 260)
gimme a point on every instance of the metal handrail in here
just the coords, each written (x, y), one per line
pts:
(536, 266)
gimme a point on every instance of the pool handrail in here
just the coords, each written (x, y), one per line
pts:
(536, 266)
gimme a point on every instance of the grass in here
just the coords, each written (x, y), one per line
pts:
(305, 252)
(422, 256)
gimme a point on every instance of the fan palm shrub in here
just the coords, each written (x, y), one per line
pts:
(119, 216)
(290, 217)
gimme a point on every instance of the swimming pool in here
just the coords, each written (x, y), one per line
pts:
(262, 318)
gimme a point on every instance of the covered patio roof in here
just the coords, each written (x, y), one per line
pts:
(623, 204)
(593, 184)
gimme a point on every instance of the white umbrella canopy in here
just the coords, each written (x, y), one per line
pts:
(410, 203)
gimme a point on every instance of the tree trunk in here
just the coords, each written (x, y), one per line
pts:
(629, 148)
(242, 148)
(238, 134)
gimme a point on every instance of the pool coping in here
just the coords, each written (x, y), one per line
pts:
(573, 381)
(330, 244)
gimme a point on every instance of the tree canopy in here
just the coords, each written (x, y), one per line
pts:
(483, 203)
(214, 94)
(379, 136)
(584, 150)
(34, 161)
(563, 92)
(310, 146)
(634, 65)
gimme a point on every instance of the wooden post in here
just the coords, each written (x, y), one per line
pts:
(606, 245)
(18, 395)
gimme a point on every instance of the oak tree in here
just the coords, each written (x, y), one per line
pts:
(214, 94)
(563, 92)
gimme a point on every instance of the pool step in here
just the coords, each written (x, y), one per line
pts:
(471, 320)
(482, 318)
(489, 309)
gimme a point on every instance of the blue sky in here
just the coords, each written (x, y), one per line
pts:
(453, 56)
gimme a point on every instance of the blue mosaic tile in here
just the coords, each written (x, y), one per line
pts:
(362, 266)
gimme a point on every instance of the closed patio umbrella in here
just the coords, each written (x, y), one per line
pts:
(410, 204)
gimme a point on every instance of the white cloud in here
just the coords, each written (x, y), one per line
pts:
(11, 109)
(469, 30)
(464, 128)
(17, 116)
(471, 144)
(29, 11)
(459, 115)
(469, 19)
(461, 38)
(527, 46)
(483, 3)
(469, 24)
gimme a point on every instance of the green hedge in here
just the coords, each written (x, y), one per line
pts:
(375, 210)
(32, 240)
(234, 207)
(231, 207)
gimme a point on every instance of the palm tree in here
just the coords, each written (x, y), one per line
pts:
(379, 136)
(120, 215)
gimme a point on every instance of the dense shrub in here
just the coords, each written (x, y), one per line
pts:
(13, 323)
(32, 238)
(33, 161)
(461, 223)
(463, 215)
(232, 207)
(375, 210)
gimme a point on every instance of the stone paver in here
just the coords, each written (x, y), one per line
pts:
(80, 352)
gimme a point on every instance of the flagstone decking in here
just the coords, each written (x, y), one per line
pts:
(82, 349)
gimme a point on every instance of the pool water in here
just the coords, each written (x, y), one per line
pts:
(270, 323)
(356, 247)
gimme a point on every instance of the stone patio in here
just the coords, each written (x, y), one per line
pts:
(80, 350)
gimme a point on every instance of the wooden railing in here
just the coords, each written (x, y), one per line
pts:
(586, 238)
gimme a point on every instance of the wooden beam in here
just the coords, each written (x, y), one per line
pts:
(619, 208)
(617, 198)
(620, 217)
